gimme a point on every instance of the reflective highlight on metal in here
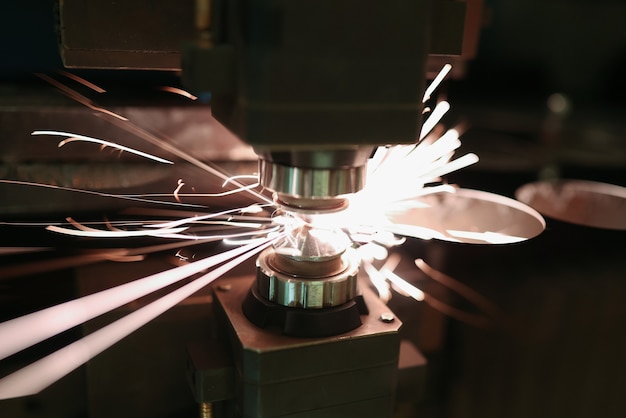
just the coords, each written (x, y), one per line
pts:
(581, 202)
(311, 268)
(473, 216)
(306, 188)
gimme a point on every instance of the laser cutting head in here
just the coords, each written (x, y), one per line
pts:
(312, 85)
(314, 180)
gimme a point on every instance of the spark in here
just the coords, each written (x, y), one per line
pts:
(178, 195)
(436, 82)
(175, 151)
(467, 292)
(42, 373)
(82, 138)
(93, 233)
(197, 218)
(178, 91)
(48, 322)
(440, 110)
(82, 81)
(73, 94)
(123, 123)
(378, 280)
(39, 266)
(366, 221)
(403, 285)
(458, 164)
(180, 186)
(135, 198)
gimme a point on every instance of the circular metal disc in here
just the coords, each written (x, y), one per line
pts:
(580, 202)
(468, 216)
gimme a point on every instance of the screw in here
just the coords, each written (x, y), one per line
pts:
(387, 317)
(206, 410)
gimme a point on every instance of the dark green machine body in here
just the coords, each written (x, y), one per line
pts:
(315, 73)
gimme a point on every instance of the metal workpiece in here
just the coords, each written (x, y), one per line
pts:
(312, 267)
(352, 374)
(334, 284)
(306, 283)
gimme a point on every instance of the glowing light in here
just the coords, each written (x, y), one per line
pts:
(178, 91)
(184, 221)
(42, 373)
(135, 198)
(366, 221)
(434, 118)
(73, 94)
(123, 123)
(378, 280)
(459, 163)
(436, 81)
(177, 190)
(460, 288)
(403, 285)
(20, 333)
(84, 82)
(82, 138)
(95, 233)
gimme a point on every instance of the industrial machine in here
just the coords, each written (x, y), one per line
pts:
(314, 87)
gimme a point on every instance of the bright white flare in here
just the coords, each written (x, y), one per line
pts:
(20, 333)
(436, 81)
(42, 373)
(403, 285)
(434, 118)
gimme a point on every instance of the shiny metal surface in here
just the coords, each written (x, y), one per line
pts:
(307, 284)
(351, 375)
(472, 216)
(588, 203)
(302, 186)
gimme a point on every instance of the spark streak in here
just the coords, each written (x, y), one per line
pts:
(197, 218)
(73, 94)
(436, 81)
(76, 137)
(178, 91)
(434, 118)
(42, 373)
(424, 162)
(125, 124)
(56, 319)
(97, 233)
(403, 285)
(82, 81)
(468, 293)
(100, 194)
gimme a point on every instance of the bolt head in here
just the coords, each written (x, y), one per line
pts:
(387, 317)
